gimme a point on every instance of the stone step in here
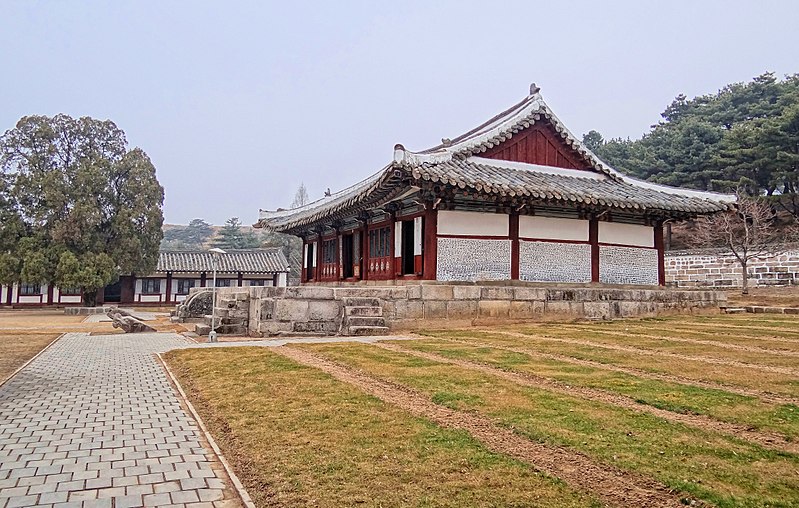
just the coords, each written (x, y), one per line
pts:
(363, 311)
(734, 310)
(202, 329)
(368, 330)
(365, 321)
(361, 302)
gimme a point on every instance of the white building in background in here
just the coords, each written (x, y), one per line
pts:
(176, 273)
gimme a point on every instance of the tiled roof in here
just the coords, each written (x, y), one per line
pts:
(457, 163)
(568, 185)
(234, 261)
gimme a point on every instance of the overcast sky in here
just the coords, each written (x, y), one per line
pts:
(237, 103)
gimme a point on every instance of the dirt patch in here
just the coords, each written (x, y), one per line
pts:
(611, 485)
(647, 352)
(785, 296)
(766, 439)
(766, 396)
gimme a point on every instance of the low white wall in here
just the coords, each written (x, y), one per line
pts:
(553, 228)
(626, 234)
(473, 223)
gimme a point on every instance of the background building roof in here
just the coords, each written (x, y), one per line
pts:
(234, 261)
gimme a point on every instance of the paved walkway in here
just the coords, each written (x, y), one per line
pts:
(93, 421)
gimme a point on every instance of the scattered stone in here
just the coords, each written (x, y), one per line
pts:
(128, 323)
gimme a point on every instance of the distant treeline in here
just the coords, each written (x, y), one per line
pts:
(745, 137)
(200, 235)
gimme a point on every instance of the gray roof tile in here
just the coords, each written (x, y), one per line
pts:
(234, 261)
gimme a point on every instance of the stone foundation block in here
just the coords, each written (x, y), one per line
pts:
(435, 309)
(597, 310)
(323, 310)
(463, 309)
(414, 292)
(496, 293)
(411, 309)
(310, 292)
(529, 294)
(466, 292)
(494, 308)
(573, 309)
(275, 327)
(290, 309)
(525, 309)
(324, 327)
(435, 292)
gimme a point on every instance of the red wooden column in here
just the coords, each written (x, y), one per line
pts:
(365, 251)
(318, 271)
(514, 245)
(168, 286)
(49, 294)
(203, 278)
(240, 280)
(430, 242)
(593, 239)
(9, 294)
(661, 254)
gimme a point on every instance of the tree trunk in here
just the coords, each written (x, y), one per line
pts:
(89, 297)
(745, 280)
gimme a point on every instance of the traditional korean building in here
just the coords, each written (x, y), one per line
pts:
(176, 273)
(517, 198)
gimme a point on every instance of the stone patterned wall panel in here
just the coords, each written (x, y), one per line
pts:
(467, 259)
(722, 269)
(554, 262)
(628, 265)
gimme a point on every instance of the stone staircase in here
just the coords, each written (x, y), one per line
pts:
(230, 319)
(363, 316)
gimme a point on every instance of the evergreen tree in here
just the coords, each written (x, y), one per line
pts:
(232, 237)
(78, 208)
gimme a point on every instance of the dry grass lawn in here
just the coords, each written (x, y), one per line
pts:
(299, 437)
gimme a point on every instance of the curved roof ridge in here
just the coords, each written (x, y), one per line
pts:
(346, 192)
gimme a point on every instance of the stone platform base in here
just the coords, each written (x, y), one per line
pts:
(321, 309)
(84, 311)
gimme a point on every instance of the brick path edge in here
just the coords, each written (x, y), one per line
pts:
(30, 360)
(237, 485)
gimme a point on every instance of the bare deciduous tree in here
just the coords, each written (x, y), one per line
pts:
(301, 197)
(749, 231)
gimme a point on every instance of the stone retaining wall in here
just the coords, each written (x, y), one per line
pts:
(320, 309)
(722, 269)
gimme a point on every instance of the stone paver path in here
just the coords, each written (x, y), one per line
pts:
(93, 421)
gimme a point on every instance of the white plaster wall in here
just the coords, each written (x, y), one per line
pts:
(626, 234)
(282, 279)
(398, 239)
(467, 259)
(554, 262)
(417, 236)
(305, 256)
(553, 228)
(149, 298)
(315, 255)
(472, 223)
(69, 299)
(3, 295)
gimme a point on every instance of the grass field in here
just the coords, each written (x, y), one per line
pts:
(655, 412)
